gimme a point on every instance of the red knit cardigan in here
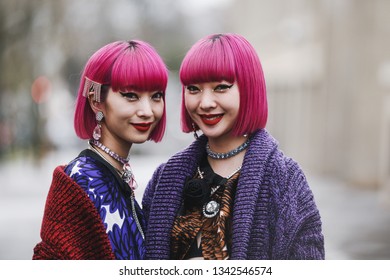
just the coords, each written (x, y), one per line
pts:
(72, 227)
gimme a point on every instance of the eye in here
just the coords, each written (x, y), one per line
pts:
(131, 96)
(193, 89)
(222, 87)
(157, 96)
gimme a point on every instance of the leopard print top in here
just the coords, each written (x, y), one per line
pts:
(214, 233)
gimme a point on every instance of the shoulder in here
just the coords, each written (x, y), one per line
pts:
(87, 168)
(281, 172)
(287, 182)
(265, 148)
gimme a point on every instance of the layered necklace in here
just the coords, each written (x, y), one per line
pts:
(211, 208)
(126, 174)
(232, 153)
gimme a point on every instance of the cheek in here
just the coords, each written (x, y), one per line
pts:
(158, 110)
(190, 103)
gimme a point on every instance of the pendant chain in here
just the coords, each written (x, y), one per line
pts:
(124, 175)
(210, 209)
(213, 190)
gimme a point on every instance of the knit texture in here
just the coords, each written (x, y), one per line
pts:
(71, 227)
(274, 212)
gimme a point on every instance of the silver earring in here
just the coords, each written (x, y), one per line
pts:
(97, 132)
(194, 129)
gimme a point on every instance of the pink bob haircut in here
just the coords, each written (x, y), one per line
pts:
(122, 66)
(228, 57)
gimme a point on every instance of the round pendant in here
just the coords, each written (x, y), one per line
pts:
(210, 209)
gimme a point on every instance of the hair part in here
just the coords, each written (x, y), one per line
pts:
(232, 58)
(121, 66)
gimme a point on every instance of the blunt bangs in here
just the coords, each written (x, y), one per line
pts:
(139, 69)
(208, 61)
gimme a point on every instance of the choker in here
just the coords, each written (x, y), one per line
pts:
(229, 154)
(126, 173)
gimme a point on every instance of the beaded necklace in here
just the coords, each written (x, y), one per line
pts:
(229, 154)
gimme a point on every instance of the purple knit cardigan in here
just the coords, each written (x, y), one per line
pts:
(274, 213)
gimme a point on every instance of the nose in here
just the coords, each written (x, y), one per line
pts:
(207, 100)
(145, 108)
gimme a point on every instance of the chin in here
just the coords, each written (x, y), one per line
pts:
(139, 141)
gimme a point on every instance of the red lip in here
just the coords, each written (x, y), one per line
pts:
(211, 119)
(142, 126)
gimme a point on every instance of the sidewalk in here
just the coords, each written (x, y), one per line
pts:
(355, 224)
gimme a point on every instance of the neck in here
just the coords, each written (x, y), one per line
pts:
(109, 154)
(224, 167)
(118, 146)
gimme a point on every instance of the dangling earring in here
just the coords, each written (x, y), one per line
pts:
(97, 132)
(194, 128)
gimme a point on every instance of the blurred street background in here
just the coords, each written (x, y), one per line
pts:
(327, 69)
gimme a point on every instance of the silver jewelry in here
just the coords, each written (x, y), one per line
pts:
(229, 154)
(99, 116)
(135, 217)
(92, 87)
(127, 173)
(132, 197)
(97, 131)
(210, 209)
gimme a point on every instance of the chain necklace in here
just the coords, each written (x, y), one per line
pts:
(229, 154)
(211, 208)
(126, 175)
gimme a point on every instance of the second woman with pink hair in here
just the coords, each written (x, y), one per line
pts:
(232, 194)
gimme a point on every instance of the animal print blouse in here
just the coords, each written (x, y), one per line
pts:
(196, 236)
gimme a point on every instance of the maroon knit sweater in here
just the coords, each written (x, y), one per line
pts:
(71, 228)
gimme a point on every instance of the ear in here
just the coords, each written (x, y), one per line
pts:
(95, 106)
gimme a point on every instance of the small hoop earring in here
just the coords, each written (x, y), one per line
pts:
(194, 128)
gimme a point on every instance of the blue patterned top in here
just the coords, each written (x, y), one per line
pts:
(112, 199)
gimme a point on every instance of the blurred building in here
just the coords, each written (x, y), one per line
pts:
(327, 67)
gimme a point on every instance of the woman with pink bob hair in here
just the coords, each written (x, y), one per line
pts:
(232, 194)
(91, 211)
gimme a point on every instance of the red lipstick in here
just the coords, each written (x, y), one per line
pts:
(142, 126)
(211, 119)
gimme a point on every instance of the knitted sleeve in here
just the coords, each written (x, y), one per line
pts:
(71, 226)
(301, 218)
(308, 242)
(149, 191)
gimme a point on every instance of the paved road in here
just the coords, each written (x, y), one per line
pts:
(356, 224)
